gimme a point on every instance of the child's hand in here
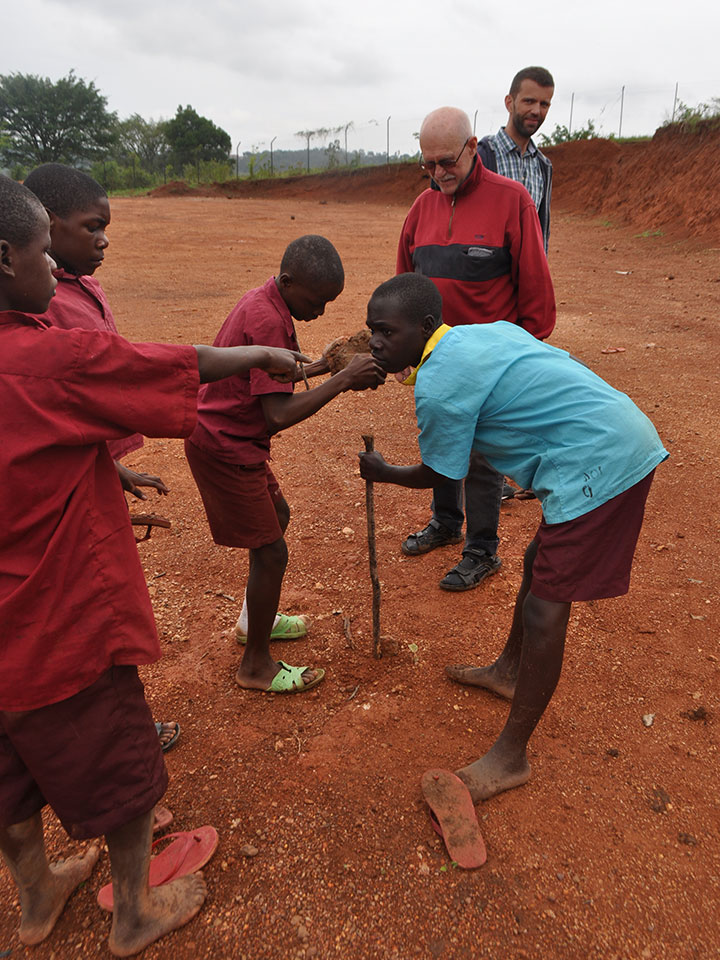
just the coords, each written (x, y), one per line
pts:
(282, 364)
(363, 373)
(372, 466)
(132, 481)
(314, 369)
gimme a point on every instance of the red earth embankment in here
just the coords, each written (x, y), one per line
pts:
(669, 184)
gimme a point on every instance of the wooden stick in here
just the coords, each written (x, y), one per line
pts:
(369, 440)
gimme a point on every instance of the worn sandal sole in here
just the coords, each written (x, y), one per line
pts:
(453, 817)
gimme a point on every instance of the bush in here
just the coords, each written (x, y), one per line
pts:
(691, 117)
(561, 134)
(208, 171)
(116, 176)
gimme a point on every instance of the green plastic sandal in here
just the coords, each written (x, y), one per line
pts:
(287, 628)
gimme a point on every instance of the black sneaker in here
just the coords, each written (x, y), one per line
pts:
(434, 535)
(471, 571)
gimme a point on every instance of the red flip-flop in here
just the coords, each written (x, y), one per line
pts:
(453, 817)
(188, 853)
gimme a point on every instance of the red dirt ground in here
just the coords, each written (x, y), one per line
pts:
(611, 850)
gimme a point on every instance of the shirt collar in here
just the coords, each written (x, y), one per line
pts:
(430, 345)
(508, 144)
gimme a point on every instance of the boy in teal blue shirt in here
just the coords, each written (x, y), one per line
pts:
(554, 427)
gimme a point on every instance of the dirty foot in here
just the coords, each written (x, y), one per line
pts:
(167, 908)
(40, 910)
(491, 775)
(263, 681)
(489, 678)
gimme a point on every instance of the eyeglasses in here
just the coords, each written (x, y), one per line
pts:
(446, 164)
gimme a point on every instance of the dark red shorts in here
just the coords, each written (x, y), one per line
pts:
(95, 758)
(590, 558)
(239, 500)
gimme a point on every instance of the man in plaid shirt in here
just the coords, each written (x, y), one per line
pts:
(512, 153)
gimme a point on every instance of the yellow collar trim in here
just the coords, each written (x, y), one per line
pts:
(433, 341)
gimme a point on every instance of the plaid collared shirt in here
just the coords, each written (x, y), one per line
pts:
(525, 169)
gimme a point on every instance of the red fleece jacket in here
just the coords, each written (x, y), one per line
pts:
(483, 249)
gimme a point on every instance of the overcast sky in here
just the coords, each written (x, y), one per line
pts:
(268, 69)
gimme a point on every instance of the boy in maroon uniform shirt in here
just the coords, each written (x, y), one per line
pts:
(229, 451)
(75, 731)
(79, 212)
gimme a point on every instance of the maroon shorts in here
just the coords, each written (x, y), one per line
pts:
(95, 758)
(239, 500)
(590, 558)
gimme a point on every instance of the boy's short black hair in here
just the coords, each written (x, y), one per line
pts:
(538, 75)
(314, 260)
(417, 295)
(21, 213)
(63, 190)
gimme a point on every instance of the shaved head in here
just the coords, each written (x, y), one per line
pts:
(448, 147)
(446, 122)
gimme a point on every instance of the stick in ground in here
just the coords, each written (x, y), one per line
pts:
(369, 441)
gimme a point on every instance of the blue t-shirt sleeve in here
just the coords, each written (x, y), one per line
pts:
(446, 436)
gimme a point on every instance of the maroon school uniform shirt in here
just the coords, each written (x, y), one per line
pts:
(73, 599)
(231, 424)
(80, 303)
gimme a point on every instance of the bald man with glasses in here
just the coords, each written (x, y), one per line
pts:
(477, 237)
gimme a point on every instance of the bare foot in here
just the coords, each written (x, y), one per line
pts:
(491, 775)
(167, 908)
(489, 678)
(254, 682)
(40, 909)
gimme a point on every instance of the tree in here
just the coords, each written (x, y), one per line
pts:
(62, 122)
(146, 140)
(193, 139)
(333, 150)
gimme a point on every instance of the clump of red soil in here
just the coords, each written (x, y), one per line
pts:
(669, 184)
(340, 352)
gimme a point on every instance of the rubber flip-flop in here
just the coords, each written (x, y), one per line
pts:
(289, 680)
(454, 817)
(173, 739)
(188, 853)
(163, 819)
(287, 628)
